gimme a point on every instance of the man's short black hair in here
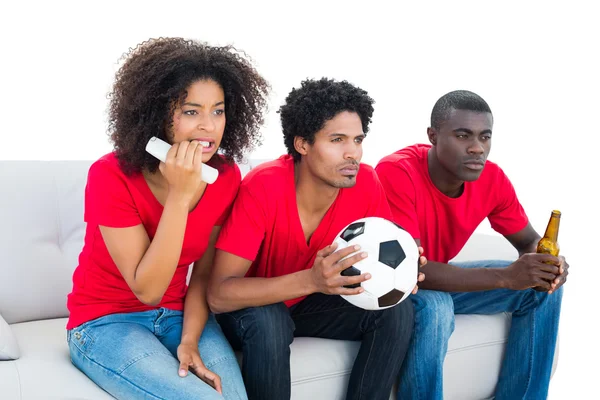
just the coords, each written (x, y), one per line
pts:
(456, 100)
(308, 108)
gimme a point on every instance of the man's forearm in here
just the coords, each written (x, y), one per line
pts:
(530, 248)
(450, 278)
(236, 293)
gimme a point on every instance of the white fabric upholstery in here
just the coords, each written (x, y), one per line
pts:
(9, 349)
(45, 369)
(40, 239)
(320, 367)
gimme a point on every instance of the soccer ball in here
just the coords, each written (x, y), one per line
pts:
(393, 262)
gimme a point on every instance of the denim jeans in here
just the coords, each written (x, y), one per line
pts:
(134, 356)
(527, 365)
(264, 334)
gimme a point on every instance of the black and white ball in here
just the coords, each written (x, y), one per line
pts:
(393, 262)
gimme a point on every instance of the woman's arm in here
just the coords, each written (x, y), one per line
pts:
(196, 307)
(148, 267)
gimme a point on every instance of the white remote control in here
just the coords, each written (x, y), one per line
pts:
(159, 148)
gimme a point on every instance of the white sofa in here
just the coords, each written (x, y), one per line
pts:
(41, 234)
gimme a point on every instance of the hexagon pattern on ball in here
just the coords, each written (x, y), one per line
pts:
(392, 262)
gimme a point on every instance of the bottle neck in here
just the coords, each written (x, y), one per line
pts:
(552, 229)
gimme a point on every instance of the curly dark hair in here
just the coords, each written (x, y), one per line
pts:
(307, 109)
(456, 100)
(153, 81)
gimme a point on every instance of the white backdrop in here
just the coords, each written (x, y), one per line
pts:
(534, 62)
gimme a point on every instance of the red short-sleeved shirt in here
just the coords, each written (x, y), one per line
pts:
(264, 226)
(114, 199)
(444, 224)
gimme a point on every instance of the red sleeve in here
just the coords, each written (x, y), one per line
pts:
(233, 186)
(244, 230)
(108, 201)
(508, 216)
(401, 196)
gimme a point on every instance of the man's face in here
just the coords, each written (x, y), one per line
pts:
(462, 143)
(335, 155)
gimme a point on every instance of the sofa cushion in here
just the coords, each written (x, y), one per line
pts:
(44, 369)
(320, 367)
(9, 348)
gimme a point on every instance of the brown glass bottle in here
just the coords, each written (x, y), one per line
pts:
(549, 243)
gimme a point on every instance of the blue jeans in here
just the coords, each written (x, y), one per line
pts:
(527, 364)
(134, 356)
(264, 334)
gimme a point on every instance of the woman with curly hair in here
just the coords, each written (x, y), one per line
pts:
(135, 327)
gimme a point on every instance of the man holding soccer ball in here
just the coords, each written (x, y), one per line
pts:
(275, 264)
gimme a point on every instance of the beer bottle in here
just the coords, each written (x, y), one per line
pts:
(549, 243)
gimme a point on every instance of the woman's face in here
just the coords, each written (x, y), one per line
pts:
(201, 117)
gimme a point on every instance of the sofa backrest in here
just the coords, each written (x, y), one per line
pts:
(42, 228)
(41, 234)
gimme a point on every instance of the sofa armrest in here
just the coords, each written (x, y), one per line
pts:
(9, 348)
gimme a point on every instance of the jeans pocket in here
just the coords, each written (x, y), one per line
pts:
(81, 338)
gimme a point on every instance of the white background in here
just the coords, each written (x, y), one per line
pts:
(534, 62)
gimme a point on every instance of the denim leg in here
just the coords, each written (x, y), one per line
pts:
(421, 375)
(527, 364)
(264, 335)
(384, 337)
(123, 356)
(215, 351)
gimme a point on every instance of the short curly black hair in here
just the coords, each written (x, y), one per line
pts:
(307, 109)
(457, 100)
(153, 80)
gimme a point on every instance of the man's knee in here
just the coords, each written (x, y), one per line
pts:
(533, 299)
(558, 295)
(435, 310)
(268, 330)
(398, 321)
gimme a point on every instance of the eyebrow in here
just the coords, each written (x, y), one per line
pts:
(344, 135)
(470, 132)
(200, 105)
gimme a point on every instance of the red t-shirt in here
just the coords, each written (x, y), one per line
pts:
(114, 199)
(444, 224)
(264, 226)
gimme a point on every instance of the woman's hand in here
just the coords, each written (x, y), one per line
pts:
(189, 359)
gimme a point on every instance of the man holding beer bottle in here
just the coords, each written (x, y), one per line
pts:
(440, 193)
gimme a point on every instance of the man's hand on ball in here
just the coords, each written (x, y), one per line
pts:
(421, 276)
(329, 263)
